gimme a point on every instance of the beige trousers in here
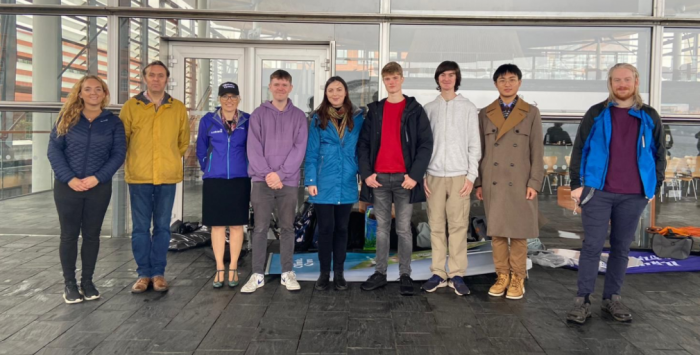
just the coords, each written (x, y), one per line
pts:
(446, 207)
(510, 260)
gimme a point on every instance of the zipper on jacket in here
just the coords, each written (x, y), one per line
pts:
(87, 150)
(228, 149)
(444, 146)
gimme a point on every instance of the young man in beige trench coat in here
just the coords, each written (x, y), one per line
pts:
(510, 175)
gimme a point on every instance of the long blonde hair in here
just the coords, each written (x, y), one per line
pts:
(638, 101)
(74, 105)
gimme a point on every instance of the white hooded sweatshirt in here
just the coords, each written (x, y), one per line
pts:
(456, 138)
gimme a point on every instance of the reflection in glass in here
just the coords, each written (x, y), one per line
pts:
(364, 6)
(682, 8)
(202, 80)
(564, 69)
(539, 7)
(680, 80)
(303, 79)
(677, 204)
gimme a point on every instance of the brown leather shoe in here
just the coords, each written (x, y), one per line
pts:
(141, 285)
(159, 284)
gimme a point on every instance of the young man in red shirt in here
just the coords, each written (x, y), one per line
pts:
(393, 152)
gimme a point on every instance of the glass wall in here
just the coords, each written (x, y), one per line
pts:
(357, 47)
(682, 8)
(564, 68)
(53, 51)
(364, 6)
(680, 81)
(525, 7)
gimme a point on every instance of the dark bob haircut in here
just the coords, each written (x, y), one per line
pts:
(447, 66)
(507, 68)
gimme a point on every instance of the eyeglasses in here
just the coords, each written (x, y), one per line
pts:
(230, 98)
(510, 81)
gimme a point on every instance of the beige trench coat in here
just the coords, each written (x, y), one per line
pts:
(511, 161)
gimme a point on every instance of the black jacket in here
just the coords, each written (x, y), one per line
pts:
(416, 144)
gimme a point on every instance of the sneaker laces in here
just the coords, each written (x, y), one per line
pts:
(291, 276)
(617, 306)
(436, 279)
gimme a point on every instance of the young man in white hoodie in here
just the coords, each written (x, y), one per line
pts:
(450, 178)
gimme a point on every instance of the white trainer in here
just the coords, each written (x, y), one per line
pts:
(254, 282)
(289, 279)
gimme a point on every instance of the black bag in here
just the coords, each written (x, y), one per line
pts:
(478, 229)
(304, 227)
(674, 247)
(179, 242)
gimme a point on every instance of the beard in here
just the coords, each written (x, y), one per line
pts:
(622, 97)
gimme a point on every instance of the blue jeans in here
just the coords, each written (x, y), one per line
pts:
(148, 202)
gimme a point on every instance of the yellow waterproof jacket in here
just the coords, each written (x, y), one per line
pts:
(156, 141)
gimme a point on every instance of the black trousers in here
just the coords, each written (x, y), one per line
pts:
(80, 212)
(332, 234)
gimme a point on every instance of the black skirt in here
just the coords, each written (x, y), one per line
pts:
(225, 202)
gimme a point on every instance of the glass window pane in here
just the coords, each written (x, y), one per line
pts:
(59, 2)
(678, 205)
(357, 47)
(682, 8)
(564, 69)
(680, 80)
(364, 6)
(53, 50)
(532, 7)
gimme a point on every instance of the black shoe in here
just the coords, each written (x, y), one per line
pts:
(339, 281)
(323, 281)
(88, 290)
(71, 294)
(580, 312)
(374, 282)
(406, 285)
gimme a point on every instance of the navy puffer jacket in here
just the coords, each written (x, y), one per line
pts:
(88, 149)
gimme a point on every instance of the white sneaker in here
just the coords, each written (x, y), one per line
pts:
(254, 282)
(289, 279)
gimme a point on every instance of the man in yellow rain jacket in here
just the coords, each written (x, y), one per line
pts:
(157, 136)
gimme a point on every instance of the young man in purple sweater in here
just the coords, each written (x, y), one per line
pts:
(277, 135)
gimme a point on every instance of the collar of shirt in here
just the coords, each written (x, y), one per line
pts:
(151, 100)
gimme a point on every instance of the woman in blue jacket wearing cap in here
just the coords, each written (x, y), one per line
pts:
(331, 176)
(221, 150)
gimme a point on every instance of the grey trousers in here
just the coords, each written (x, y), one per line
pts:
(391, 191)
(265, 200)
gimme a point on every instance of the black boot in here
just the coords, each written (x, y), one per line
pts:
(339, 281)
(323, 281)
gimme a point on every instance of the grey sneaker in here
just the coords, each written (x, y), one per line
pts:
(580, 312)
(617, 309)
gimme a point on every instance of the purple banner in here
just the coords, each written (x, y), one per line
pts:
(654, 264)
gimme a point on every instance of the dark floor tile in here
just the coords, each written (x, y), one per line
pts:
(638, 334)
(326, 303)
(611, 347)
(521, 345)
(370, 333)
(323, 342)
(371, 351)
(194, 318)
(221, 338)
(413, 322)
(410, 304)
(550, 331)
(78, 340)
(432, 339)
(291, 310)
(502, 326)
(10, 324)
(121, 347)
(63, 351)
(273, 328)
(217, 352)
(370, 309)
(421, 350)
(273, 347)
(170, 341)
(139, 328)
(326, 321)
(102, 321)
(242, 315)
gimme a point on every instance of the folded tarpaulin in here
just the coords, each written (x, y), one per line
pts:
(642, 262)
